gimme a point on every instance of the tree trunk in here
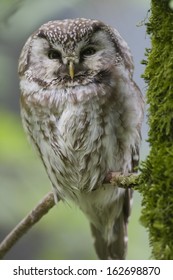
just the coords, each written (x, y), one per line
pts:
(157, 171)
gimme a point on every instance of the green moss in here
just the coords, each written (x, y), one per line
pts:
(156, 180)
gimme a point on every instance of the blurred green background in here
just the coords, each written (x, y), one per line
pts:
(64, 232)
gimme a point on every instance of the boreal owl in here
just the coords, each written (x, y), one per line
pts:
(83, 112)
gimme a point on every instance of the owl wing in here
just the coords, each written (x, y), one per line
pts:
(118, 247)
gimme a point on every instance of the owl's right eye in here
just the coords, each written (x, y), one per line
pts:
(54, 54)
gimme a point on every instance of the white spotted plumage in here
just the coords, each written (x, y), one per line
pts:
(86, 126)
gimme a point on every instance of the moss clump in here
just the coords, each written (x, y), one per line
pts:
(156, 180)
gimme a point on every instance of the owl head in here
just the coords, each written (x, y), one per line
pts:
(72, 52)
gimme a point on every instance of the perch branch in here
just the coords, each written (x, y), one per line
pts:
(32, 218)
(116, 179)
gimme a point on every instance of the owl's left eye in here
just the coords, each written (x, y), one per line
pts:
(54, 54)
(88, 51)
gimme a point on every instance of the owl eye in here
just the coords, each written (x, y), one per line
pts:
(54, 54)
(88, 51)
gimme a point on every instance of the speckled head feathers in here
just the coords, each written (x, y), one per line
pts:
(69, 33)
(68, 30)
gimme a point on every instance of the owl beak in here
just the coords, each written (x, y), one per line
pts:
(71, 69)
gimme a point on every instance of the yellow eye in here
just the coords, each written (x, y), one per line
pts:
(54, 54)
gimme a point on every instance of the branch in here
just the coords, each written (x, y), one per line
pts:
(114, 178)
(32, 218)
(119, 180)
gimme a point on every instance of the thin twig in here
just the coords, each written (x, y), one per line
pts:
(32, 218)
(114, 178)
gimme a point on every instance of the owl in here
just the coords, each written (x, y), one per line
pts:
(82, 112)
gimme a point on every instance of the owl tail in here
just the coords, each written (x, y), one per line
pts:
(117, 249)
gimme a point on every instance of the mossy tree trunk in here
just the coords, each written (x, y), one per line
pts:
(157, 171)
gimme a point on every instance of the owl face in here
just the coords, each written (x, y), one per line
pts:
(71, 52)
